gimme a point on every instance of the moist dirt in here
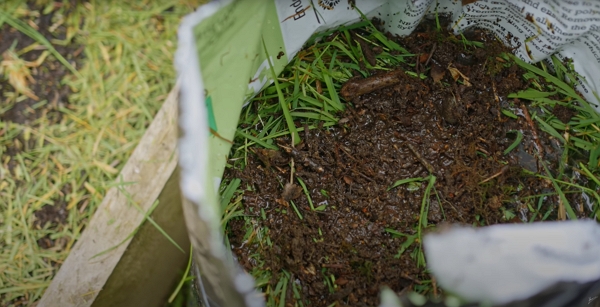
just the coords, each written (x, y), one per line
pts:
(406, 128)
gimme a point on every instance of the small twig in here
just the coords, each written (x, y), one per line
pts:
(562, 212)
(533, 131)
(504, 169)
(496, 98)
(219, 136)
(347, 153)
(418, 65)
(298, 13)
(362, 175)
(306, 134)
(420, 158)
(302, 157)
(405, 276)
(431, 54)
(495, 92)
(483, 150)
(292, 170)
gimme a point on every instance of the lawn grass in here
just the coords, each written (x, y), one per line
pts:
(125, 77)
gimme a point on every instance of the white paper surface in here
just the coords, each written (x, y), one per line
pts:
(535, 28)
(504, 263)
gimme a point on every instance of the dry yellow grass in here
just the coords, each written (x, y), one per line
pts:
(126, 74)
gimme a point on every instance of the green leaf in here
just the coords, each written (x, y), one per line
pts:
(509, 113)
(228, 192)
(531, 94)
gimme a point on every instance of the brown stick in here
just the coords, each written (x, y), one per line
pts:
(431, 54)
(215, 133)
(420, 158)
(533, 131)
(303, 158)
(504, 169)
(356, 87)
(362, 175)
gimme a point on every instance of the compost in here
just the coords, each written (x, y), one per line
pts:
(445, 139)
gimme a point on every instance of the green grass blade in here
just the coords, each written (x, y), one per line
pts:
(131, 235)
(593, 160)
(343, 49)
(228, 192)
(312, 101)
(148, 218)
(561, 194)
(396, 233)
(183, 279)
(516, 143)
(284, 106)
(37, 36)
(404, 181)
(423, 217)
(531, 94)
(256, 140)
(312, 115)
(296, 210)
(335, 99)
(589, 174)
(546, 127)
(310, 203)
(568, 90)
(283, 292)
(509, 113)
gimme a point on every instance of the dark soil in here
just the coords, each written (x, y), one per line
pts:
(47, 76)
(397, 132)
